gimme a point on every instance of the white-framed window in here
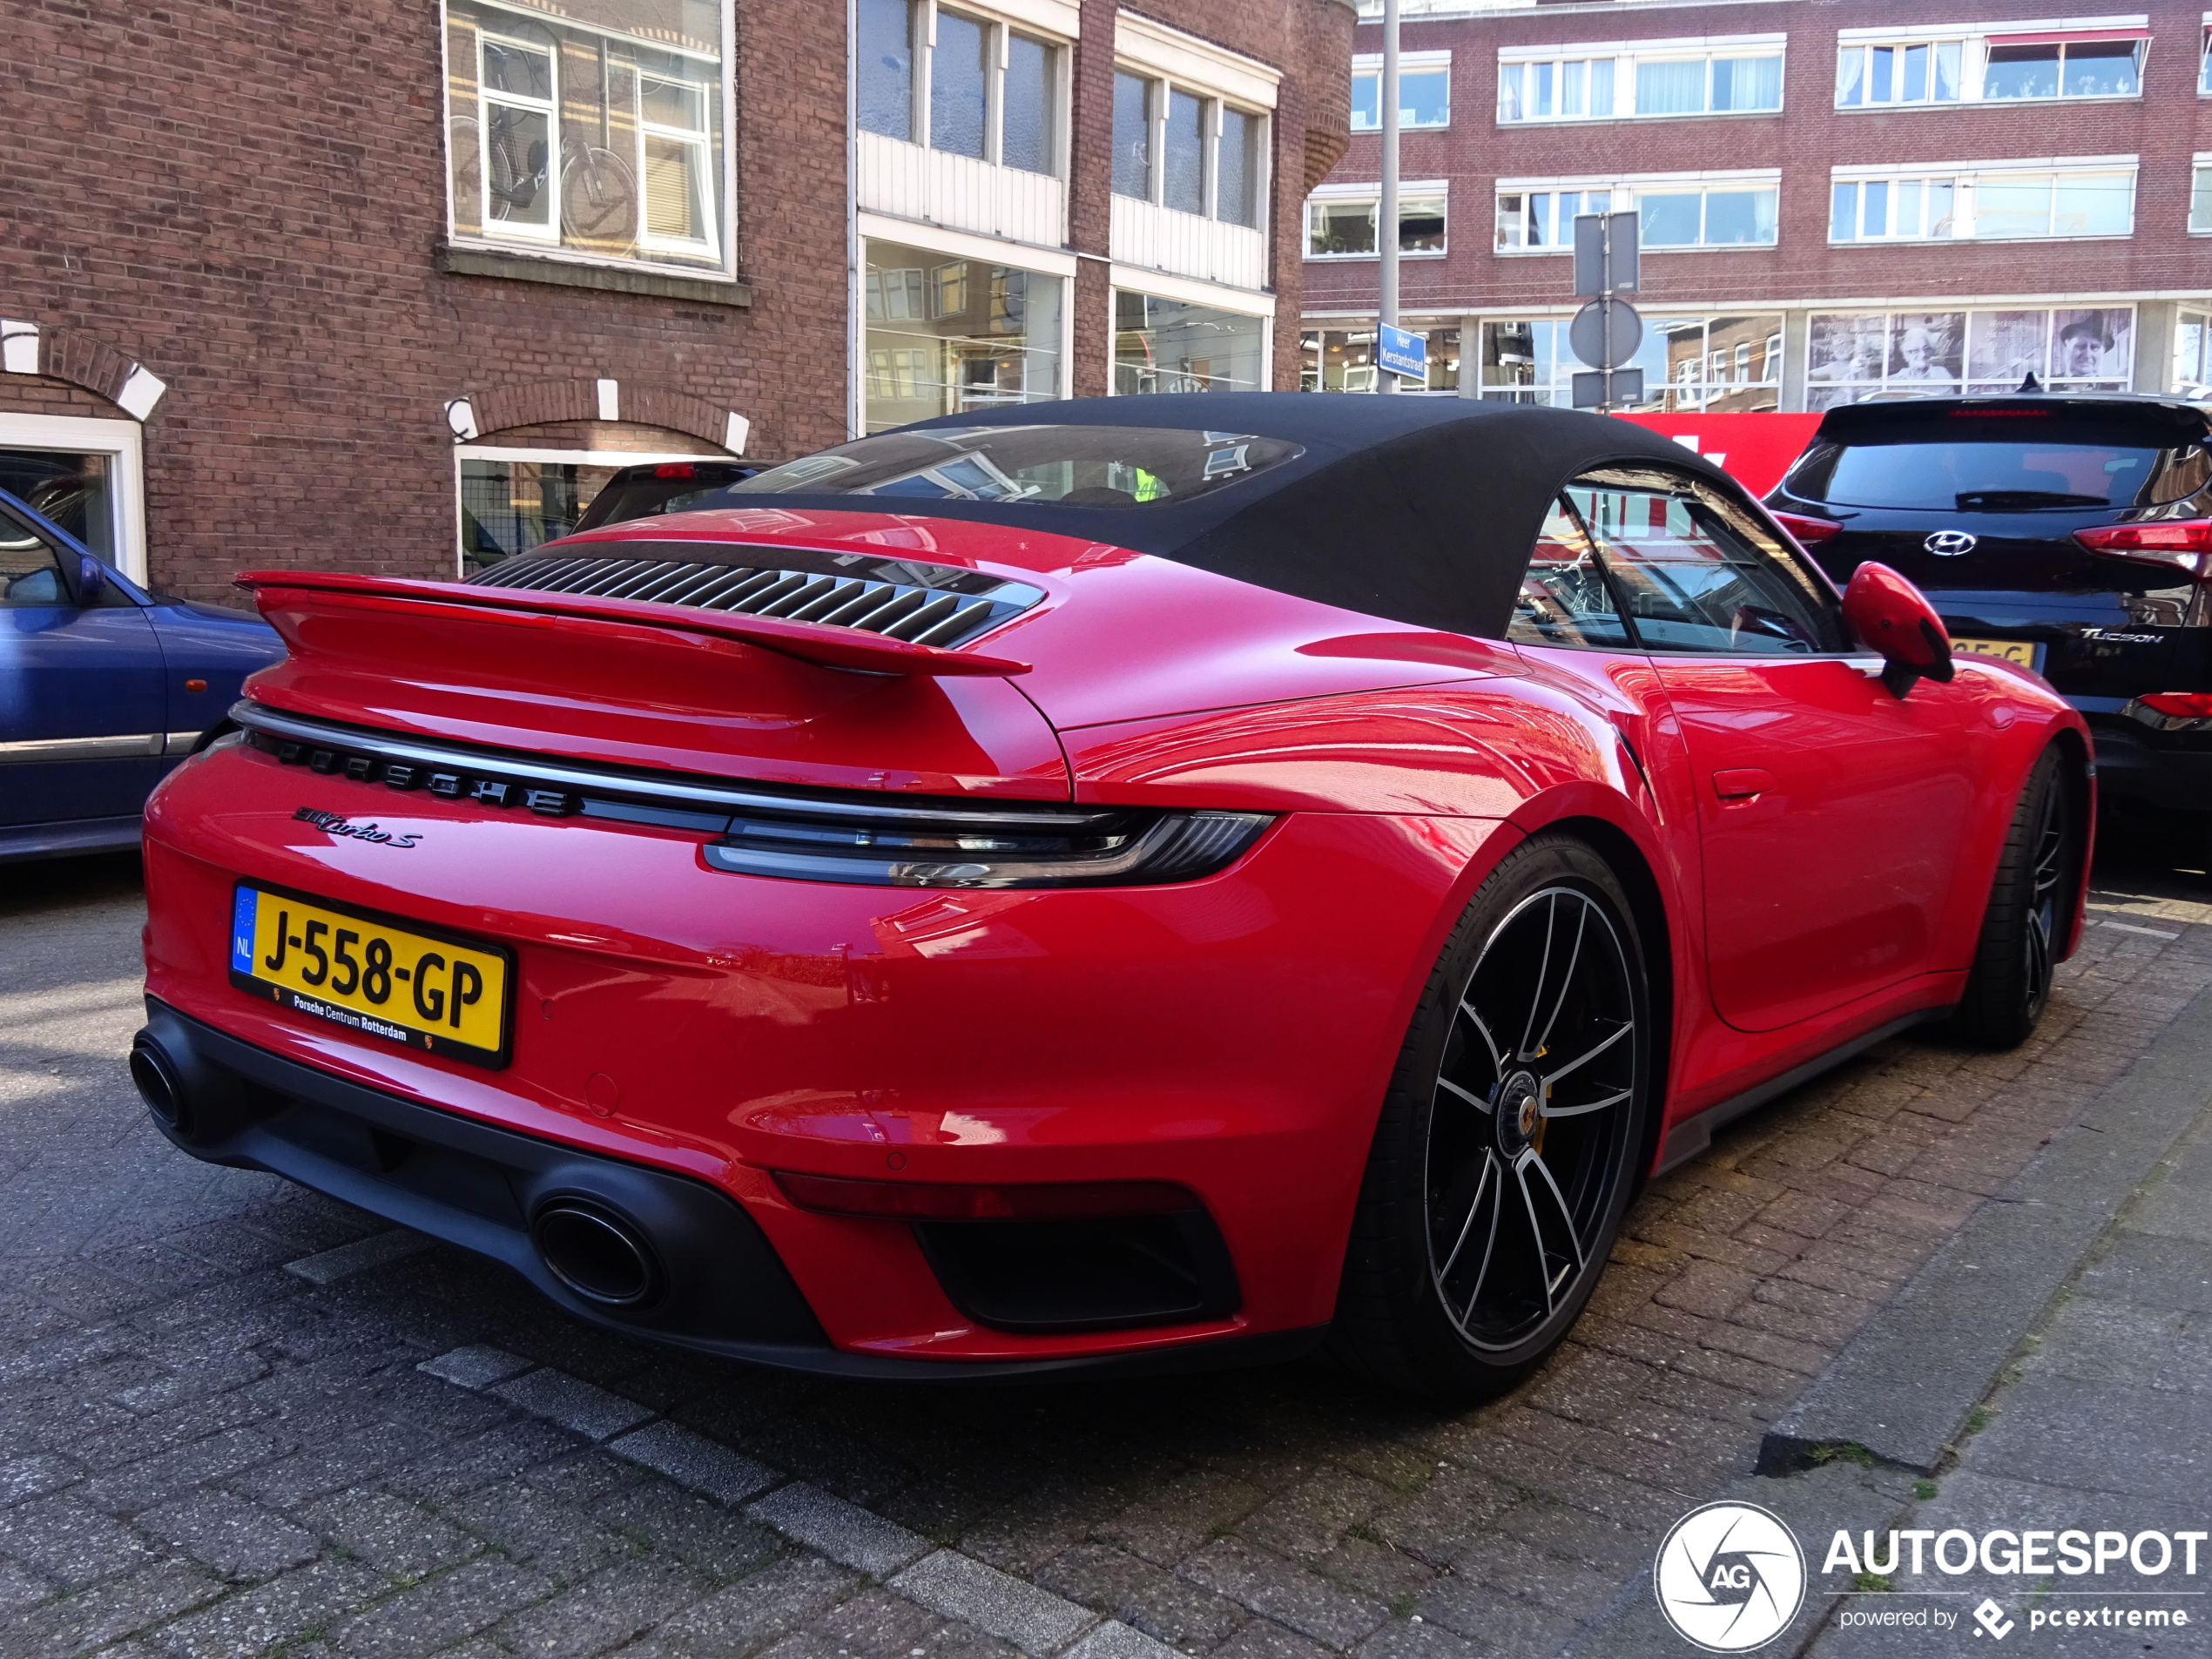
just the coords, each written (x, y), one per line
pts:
(1340, 220)
(1673, 211)
(2200, 194)
(2204, 61)
(2192, 375)
(594, 133)
(1164, 343)
(85, 473)
(1899, 71)
(508, 500)
(1949, 64)
(1692, 360)
(946, 331)
(1183, 148)
(1648, 79)
(1855, 354)
(962, 82)
(1987, 201)
(1424, 91)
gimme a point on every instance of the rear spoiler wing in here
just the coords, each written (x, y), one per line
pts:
(825, 647)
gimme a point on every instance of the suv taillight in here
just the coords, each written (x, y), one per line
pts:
(1810, 532)
(2183, 542)
(2179, 705)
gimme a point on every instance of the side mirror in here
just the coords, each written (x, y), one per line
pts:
(1893, 616)
(91, 578)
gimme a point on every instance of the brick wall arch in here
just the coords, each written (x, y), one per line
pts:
(82, 359)
(480, 414)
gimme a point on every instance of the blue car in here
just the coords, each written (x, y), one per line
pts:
(104, 687)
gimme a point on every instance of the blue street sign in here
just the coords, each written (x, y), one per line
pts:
(1402, 353)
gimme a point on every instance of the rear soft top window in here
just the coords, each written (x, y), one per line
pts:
(1068, 466)
(2007, 459)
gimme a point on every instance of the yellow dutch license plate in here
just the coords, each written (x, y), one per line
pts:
(435, 991)
(2022, 652)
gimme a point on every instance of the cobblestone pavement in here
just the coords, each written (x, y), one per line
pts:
(238, 1418)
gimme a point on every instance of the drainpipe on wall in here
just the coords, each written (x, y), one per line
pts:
(854, 347)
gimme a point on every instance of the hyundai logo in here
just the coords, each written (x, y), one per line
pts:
(1949, 544)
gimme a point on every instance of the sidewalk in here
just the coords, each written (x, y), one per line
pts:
(2048, 1368)
(2105, 1422)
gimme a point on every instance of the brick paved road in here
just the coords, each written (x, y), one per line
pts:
(203, 1453)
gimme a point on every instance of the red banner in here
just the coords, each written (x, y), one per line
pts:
(1754, 449)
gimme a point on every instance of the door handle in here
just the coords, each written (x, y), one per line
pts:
(1739, 782)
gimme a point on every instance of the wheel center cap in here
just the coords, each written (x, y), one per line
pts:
(1519, 1104)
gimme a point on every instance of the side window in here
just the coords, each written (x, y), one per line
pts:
(30, 570)
(1564, 597)
(1692, 581)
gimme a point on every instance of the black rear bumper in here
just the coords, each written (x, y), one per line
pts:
(723, 1289)
(2161, 769)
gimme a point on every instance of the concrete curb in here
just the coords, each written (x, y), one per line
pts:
(1902, 1386)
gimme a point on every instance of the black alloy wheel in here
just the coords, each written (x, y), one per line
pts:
(2031, 905)
(1507, 1149)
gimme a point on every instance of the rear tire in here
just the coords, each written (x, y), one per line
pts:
(1507, 1145)
(2031, 901)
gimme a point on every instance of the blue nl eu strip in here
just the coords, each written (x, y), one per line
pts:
(242, 921)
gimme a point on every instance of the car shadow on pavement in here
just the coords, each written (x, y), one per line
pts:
(164, 1367)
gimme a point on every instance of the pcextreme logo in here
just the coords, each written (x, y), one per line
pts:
(1730, 1577)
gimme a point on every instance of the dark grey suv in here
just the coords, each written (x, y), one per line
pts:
(2071, 533)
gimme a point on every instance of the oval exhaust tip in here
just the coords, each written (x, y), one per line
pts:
(159, 1085)
(595, 1253)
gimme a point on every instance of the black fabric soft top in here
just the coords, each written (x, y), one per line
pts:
(1420, 509)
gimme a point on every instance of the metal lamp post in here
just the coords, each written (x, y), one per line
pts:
(1386, 209)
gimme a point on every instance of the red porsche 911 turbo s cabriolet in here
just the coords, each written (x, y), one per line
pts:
(1096, 887)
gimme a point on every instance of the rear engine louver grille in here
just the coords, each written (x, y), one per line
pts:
(919, 613)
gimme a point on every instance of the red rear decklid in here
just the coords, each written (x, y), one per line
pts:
(826, 647)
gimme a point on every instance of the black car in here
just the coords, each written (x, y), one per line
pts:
(2070, 533)
(667, 487)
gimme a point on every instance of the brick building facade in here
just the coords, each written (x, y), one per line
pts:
(1834, 202)
(380, 286)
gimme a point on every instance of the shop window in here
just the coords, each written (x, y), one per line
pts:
(2192, 375)
(1424, 91)
(1343, 227)
(1181, 148)
(983, 89)
(1172, 346)
(1723, 363)
(944, 336)
(1341, 358)
(595, 134)
(1855, 354)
